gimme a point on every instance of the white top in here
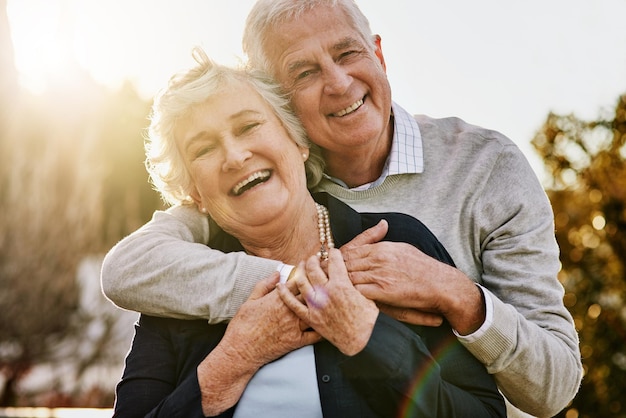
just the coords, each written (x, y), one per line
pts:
(285, 388)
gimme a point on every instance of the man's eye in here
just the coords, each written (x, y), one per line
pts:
(347, 54)
(304, 74)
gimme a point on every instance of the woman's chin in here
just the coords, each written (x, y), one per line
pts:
(263, 206)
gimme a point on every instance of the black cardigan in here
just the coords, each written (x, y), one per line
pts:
(405, 370)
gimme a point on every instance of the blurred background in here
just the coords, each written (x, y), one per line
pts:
(76, 81)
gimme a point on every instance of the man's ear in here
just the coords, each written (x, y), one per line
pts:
(379, 51)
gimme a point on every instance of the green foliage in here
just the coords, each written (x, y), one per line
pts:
(587, 164)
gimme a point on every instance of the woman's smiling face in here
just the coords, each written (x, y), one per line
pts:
(244, 166)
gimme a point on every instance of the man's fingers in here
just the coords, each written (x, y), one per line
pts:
(360, 259)
(412, 316)
(369, 236)
(361, 277)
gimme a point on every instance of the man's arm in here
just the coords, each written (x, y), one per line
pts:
(531, 345)
(537, 365)
(166, 269)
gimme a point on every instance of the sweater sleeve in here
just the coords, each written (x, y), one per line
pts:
(531, 346)
(429, 375)
(166, 269)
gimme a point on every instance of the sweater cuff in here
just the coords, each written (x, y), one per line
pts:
(476, 335)
(498, 338)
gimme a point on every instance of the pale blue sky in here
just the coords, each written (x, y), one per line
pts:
(503, 65)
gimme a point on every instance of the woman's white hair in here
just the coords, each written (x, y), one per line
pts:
(164, 162)
(268, 14)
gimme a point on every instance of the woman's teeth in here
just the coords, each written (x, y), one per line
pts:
(251, 181)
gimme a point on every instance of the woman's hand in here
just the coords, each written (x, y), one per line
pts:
(331, 305)
(263, 330)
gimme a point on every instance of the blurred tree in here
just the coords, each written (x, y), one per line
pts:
(586, 162)
(128, 198)
(8, 90)
(72, 183)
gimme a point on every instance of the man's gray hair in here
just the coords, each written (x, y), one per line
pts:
(267, 14)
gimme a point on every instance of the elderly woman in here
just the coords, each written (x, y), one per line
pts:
(226, 141)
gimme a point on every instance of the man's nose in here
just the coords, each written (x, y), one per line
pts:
(336, 79)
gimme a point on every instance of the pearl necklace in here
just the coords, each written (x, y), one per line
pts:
(326, 236)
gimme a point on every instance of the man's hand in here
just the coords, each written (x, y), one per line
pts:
(369, 236)
(417, 288)
(411, 316)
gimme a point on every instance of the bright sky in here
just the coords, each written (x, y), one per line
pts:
(502, 65)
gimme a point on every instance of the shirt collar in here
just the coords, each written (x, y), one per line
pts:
(406, 155)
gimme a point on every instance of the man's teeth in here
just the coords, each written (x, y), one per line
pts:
(252, 180)
(350, 109)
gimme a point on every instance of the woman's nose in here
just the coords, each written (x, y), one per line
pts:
(235, 156)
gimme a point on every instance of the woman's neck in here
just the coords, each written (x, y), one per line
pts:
(292, 237)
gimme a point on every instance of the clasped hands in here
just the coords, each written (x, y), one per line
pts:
(340, 299)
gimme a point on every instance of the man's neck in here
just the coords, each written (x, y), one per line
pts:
(361, 165)
(354, 176)
(356, 169)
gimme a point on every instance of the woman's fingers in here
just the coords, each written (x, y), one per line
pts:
(292, 302)
(310, 281)
(265, 286)
(314, 273)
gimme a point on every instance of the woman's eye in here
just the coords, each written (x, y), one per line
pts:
(203, 151)
(248, 127)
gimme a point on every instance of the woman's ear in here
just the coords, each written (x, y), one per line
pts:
(197, 199)
(304, 152)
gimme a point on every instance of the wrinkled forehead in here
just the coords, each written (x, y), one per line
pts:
(221, 103)
(305, 39)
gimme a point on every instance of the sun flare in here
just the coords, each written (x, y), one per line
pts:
(56, 41)
(141, 41)
(41, 43)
